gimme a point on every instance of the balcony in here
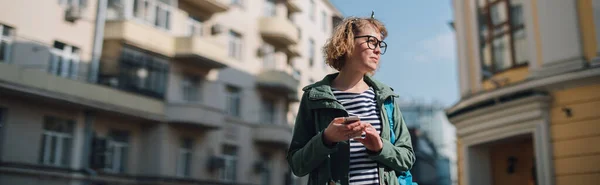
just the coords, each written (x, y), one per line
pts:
(202, 52)
(293, 6)
(209, 6)
(292, 51)
(195, 114)
(40, 84)
(279, 82)
(278, 31)
(271, 134)
(140, 35)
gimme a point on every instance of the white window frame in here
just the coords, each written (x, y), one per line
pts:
(8, 40)
(195, 27)
(234, 94)
(69, 69)
(191, 89)
(235, 45)
(73, 3)
(269, 56)
(163, 16)
(229, 171)
(57, 151)
(184, 159)
(148, 15)
(266, 176)
(114, 154)
(269, 110)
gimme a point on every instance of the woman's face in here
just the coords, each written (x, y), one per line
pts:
(365, 57)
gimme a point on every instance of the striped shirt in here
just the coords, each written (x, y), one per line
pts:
(362, 169)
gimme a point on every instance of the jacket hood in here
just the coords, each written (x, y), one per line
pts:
(322, 89)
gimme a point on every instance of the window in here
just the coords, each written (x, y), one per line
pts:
(195, 26)
(184, 158)
(117, 151)
(268, 111)
(233, 101)
(312, 10)
(265, 174)
(75, 3)
(311, 52)
(502, 36)
(153, 12)
(6, 40)
(163, 16)
(596, 10)
(324, 19)
(191, 88)
(57, 141)
(297, 74)
(64, 60)
(142, 10)
(229, 171)
(235, 45)
(143, 73)
(270, 8)
(239, 3)
(268, 56)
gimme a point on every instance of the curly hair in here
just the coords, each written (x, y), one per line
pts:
(341, 42)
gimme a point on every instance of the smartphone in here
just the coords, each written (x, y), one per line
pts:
(350, 119)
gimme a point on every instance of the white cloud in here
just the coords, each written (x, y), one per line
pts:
(441, 47)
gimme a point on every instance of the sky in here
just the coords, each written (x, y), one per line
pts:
(420, 62)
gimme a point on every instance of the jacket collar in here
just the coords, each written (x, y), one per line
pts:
(322, 89)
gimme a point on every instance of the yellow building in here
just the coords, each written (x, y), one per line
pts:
(529, 73)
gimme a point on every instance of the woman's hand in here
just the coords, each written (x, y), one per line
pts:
(338, 131)
(372, 140)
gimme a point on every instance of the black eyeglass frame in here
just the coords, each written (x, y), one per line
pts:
(382, 44)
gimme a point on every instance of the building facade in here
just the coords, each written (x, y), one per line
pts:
(155, 91)
(530, 91)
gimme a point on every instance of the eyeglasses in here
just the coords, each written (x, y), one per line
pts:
(373, 42)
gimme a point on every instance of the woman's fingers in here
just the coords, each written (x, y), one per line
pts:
(338, 120)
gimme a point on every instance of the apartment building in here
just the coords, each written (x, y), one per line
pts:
(155, 91)
(530, 91)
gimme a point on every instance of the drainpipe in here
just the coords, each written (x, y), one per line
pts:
(98, 41)
(88, 119)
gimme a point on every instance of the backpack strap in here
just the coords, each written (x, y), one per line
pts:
(389, 109)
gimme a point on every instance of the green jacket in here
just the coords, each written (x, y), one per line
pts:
(308, 154)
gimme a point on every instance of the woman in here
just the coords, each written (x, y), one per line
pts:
(328, 149)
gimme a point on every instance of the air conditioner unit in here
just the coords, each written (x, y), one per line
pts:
(73, 13)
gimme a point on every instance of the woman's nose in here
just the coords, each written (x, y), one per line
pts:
(377, 50)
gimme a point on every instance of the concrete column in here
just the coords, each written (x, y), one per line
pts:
(463, 62)
(158, 151)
